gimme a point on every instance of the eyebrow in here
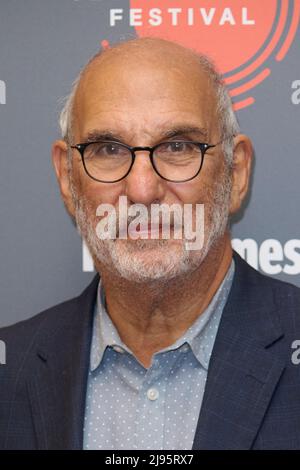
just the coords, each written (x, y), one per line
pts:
(105, 134)
(186, 130)
(177, 131)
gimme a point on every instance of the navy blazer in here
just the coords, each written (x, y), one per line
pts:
(252, 395)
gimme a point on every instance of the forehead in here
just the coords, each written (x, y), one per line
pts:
(144, 92)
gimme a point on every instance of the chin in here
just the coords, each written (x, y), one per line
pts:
(136, 261)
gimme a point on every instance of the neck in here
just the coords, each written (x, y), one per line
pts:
(150, 317)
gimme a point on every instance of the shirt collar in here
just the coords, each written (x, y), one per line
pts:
(200, 336)
(105, 333)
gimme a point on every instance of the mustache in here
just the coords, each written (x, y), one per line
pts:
(144, 220)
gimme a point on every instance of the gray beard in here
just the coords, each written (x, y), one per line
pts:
(154, 260)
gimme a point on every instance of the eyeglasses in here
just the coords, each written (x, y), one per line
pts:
(175, 161)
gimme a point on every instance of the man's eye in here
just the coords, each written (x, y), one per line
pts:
(112, 149)
(172, 147)
(107, 150)
(177, 146)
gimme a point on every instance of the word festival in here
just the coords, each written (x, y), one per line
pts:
(188, 16)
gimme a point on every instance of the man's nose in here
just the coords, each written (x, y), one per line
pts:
(143, 184)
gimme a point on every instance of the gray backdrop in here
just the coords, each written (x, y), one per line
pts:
(43, 45)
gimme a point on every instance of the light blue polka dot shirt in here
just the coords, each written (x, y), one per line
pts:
(134, 408)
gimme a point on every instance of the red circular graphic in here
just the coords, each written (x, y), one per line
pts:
(236, 34)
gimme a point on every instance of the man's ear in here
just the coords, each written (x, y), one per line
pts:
(241, 171)
(60, 163)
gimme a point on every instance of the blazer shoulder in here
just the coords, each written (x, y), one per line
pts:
(266, 284)
(256, 291)
(21, 334)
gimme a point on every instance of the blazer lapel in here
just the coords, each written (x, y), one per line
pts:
(242, 373)
(61, 363)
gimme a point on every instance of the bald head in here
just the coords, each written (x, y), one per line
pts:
(138, 65)
(155, 50)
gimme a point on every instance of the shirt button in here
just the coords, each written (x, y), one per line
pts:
(118, 349)
(152, 394)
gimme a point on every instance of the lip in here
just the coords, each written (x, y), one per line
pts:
(155, 229)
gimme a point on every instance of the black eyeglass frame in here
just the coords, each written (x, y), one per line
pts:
(202, 146)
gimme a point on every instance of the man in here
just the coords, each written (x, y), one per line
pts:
(170, 348)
